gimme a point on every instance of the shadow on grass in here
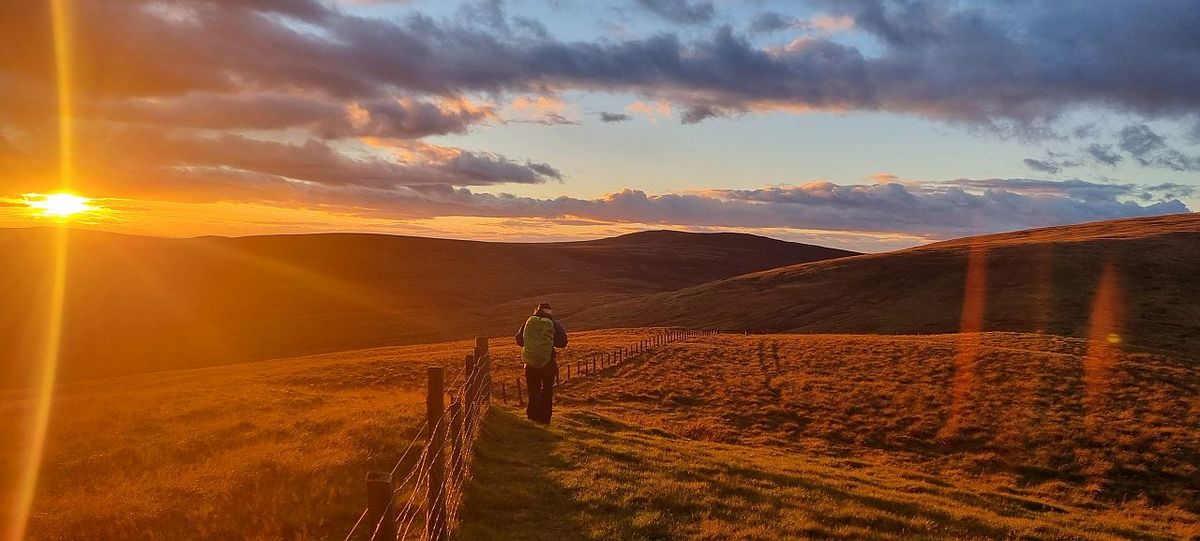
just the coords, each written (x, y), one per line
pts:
(512, 494)
(594, 477)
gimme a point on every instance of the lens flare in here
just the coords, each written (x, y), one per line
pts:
(62, 204)
(969, 338)
(1104, 340)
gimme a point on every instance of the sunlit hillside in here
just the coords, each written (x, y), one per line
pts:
(139, 303)
(268, 450)
(844, 436)
(730, 436)
(1044, 281)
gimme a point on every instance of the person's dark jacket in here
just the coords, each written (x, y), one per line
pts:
(560, 334)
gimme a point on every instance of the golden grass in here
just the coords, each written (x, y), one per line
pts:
(1025, 422)
(268, 450)
(841, 436)
(591, 476)
(728, 437)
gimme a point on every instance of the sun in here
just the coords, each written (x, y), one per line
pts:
(58, 205)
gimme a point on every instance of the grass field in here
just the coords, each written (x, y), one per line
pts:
(267, 450)
(591, 476)
(842, 436)
(731, 436)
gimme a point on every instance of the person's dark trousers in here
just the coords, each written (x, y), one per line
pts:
(541, 392)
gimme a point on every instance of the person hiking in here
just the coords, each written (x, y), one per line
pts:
(538, 337)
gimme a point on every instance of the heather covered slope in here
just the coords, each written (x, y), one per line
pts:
(140, 303)
(1043, 280)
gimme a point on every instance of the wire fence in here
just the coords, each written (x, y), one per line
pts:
(595, 364)
(421, 496)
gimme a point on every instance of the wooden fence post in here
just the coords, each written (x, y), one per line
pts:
(568, 371)
(435, 511)
(504, 393)
(379, 504)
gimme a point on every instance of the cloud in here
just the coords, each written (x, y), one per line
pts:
(402, 118)
(1150, 149)
(1104, 154)
(770, 22)
(177, 98)
(935, 209)
(882, 178)
(1139, 140)
(135, 161)
(679, 11)
(608, 117)
(653, 111)
(1042, 166)
(931, 210)
(695, 114)
(1044, 58)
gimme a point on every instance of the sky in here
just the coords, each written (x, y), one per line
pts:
(862, 124)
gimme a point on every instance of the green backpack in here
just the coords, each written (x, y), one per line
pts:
(539, 341)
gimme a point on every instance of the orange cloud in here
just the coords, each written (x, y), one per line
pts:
(540, 104)
(653, 110)
(882, 178)
(830, 24)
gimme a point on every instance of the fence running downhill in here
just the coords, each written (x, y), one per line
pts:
(425, 503)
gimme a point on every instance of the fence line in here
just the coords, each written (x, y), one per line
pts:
(596, 363)
(432, 488)
(426, 502)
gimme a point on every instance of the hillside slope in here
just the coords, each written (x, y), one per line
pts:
(855, 437)
(140, 303)
(594, 477)
(265, 450)
(1044, 280)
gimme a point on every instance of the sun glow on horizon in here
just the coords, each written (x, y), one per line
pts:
(58, 205)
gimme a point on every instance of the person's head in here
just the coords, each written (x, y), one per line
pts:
(543, 310)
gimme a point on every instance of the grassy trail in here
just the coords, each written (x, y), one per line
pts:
(590, 476)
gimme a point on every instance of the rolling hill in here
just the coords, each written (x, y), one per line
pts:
(1042, 281)
(136, 304)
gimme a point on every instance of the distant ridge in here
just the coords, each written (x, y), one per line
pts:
(138, 304)
(1042, 280)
